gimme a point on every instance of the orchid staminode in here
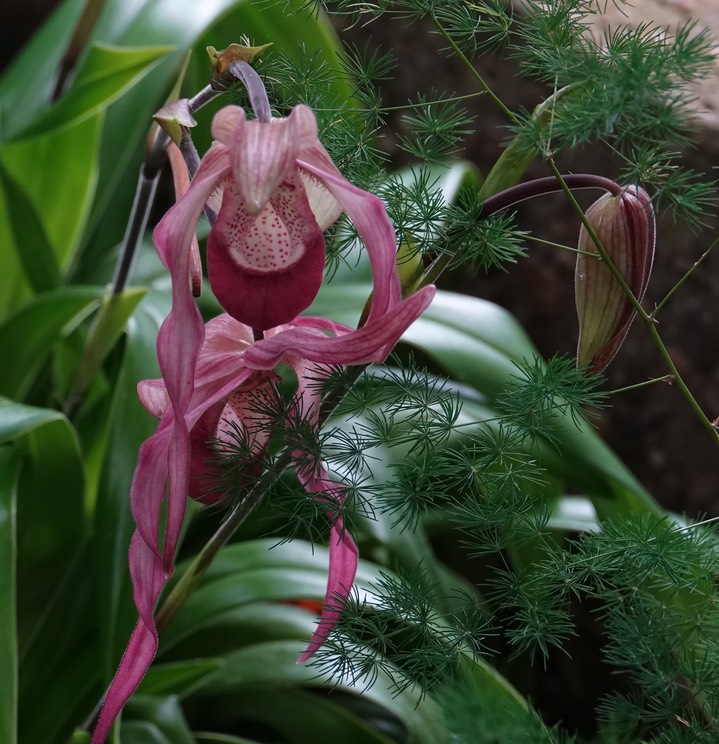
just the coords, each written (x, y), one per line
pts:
(279, 191)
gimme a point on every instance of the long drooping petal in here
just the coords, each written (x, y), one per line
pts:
(165, 457)
(143, 643)
(343, 550)
(371, 343)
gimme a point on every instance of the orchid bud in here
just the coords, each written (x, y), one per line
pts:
(625, 227)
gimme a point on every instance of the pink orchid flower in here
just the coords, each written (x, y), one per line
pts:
(266, 257)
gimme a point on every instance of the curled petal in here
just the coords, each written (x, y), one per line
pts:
(369, 216)
(371, 343)
(181, 180)
(341, 575)
(148, 580)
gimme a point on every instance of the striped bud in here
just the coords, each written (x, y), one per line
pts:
(625, 227)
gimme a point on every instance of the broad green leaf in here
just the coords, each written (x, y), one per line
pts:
(64, 646)
(33, 246)
(306, 717)
(52, 602)
(31, 332)
(256, 571)
(26, 86)
(105, 75)
(142, 732)
(164, 713)
(177, 678)
(10, 462)
(275, 663)
(106, 329)
(50, 493)
(58, 173)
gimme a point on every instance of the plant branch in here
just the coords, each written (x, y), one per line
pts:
(671, 292)
(647, 319)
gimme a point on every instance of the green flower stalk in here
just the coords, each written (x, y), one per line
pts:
(624, 226)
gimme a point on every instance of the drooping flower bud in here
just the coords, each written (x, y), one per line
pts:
(625, 227)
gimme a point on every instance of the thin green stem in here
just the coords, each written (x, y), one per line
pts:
(403, 107)
(646, 318)
(552, 244)
(686, 276)
(475, 74)
(664, 378)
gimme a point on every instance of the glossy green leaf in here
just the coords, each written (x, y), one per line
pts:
(33, 246)
(10, 461)
(178, 678)
(58, 174)
(54, 636)
(105, 75)
(306, 718)
(275, 663)
(32, 331)
(256, 571)
(164, 713)
(26, 86)
(142, 732)
(51, 489)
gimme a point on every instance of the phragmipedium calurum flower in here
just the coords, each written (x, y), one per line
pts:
(277, 190)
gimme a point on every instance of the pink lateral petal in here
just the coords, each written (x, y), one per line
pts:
(153, 396)
(147, 492)
(371, 343)
(180, 337)
(266, 270)
(148, 580)
(344, 557)
(369, 216)
(181, 181)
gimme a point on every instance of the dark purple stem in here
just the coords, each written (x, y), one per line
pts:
(259, 101)
(540, 186)
(155, 159)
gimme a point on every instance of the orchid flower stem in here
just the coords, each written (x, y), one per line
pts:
(647, 319)
(189, 580)
(671, 292)
(259, 101)
(144, 197)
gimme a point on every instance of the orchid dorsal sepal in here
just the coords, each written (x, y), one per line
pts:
(221, 60)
